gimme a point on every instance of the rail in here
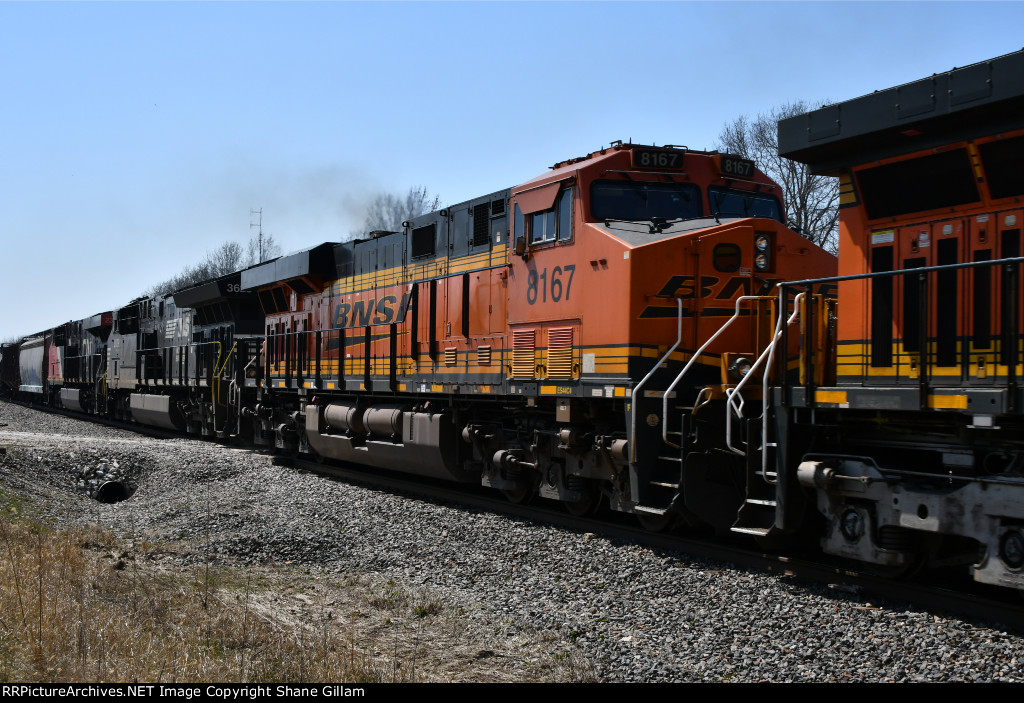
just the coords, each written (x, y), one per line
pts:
(931, 338)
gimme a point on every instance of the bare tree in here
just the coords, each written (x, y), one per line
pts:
(225, 259)
(254, 255)
(812, 202)
(387, 211)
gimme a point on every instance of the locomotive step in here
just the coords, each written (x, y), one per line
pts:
(649, 510)
(758, 501)
(665, 485)
(756, 531)
(671, 458)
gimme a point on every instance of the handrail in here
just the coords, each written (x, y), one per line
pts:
(901, 272)
(691, 362)
(768, 368)
(767, 355)
(218, 369)
(637, 387)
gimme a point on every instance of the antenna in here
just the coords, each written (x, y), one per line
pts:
(257, 215)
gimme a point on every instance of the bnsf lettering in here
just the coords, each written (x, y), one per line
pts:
(742, 285)
(361, 313)
(683, 286)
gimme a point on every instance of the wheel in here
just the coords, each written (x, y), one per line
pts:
(896, 571)
(520, 494)
(586, 506)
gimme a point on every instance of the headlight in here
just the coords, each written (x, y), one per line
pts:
(761, 242)
(761, 261)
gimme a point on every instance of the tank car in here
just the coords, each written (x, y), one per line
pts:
(575, 337)
(909, 448)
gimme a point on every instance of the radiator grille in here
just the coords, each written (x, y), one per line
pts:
(481, 225)
(524, 343)
(560, 352)
(483, 356)
(451, 356)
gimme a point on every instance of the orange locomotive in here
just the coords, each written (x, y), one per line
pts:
(574, 337)
(912, 453)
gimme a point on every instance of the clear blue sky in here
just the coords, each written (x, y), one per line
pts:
(137, 136)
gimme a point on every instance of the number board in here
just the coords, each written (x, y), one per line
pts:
(657, 158)
(735, 166)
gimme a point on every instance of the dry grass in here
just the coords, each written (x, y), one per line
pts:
(74, 608)
(82, 606)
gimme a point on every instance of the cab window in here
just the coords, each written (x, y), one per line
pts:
(731, 202)
(644, 200)
(556, 223)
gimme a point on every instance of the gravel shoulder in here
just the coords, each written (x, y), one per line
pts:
(468, 595)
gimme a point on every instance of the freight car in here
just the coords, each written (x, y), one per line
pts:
(911, 450)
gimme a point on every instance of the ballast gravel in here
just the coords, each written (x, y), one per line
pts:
(623, 612)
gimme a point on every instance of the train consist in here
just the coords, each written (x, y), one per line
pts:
(639, 328)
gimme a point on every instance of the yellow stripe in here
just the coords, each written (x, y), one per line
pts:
(830, 396)
(947, 402)
(401, 275)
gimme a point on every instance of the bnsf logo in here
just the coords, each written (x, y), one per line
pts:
(715, 288)
(364, 313)
(689, 287)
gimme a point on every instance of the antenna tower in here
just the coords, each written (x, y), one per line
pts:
(256, 221)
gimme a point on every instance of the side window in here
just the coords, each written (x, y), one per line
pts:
(556, 223)
(542, 226)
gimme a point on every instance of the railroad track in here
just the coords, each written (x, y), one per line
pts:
(964, 598)
(967, 600)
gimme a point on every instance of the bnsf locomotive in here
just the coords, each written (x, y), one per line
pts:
(910, 434)
(638, 328)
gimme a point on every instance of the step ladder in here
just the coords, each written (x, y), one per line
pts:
(759, 512)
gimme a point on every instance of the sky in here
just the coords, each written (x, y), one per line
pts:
(137, 136)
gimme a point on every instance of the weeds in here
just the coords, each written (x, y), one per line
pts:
(85, 618)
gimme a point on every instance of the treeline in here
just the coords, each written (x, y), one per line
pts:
(386, 211)
(227, 258)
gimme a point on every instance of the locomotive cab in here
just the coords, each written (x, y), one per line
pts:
(640, 276)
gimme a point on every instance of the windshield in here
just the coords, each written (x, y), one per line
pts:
(641, 200)
(727, 202)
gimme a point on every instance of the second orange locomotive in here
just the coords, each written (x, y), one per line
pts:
(527, 339)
